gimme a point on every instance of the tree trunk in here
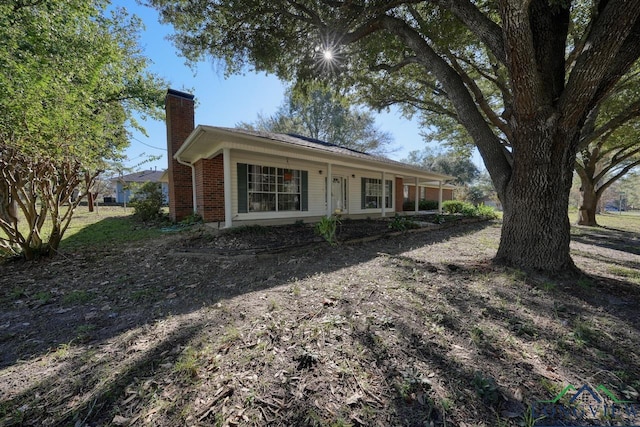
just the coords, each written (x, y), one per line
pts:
(589, 205)
(535, 229)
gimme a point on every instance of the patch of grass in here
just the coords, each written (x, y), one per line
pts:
(231, 334)
(633, 275)
(585, 284)
(77, 297)
(548, 286)
(62, 351)
(142, 295)
(583, 333)
(273, 305)
(106, 226)
(477, 335)
(43, 297)
(295, 290)
(628, 221)
(83, 332)
(17, 293)
(411, 383)
(486, 388)
(188, 364)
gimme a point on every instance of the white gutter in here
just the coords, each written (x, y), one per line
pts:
(193, 181)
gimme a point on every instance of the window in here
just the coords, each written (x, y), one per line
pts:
(271, 189)
(372, 193)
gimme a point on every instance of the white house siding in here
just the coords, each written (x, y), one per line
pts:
(316, 184)
(317, 173)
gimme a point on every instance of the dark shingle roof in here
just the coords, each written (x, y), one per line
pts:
(142, 176)
(312, 143)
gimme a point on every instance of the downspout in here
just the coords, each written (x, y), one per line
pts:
(193, 182)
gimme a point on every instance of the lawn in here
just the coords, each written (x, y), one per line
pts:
(414, 329)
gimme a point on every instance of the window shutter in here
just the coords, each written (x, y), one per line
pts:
(243, 205)
(389, 194)
(363, 192)
(304, 183)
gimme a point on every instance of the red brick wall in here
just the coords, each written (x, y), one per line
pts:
(210, 188)
(179, 109)
(432, 193)
(399, 194)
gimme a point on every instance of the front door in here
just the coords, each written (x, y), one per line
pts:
(338, 194)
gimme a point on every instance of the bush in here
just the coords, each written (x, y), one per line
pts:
(484, 211)
(423, 205)
(402, 223)
(148, 201)
(456, 206)
(467, 209)
(327, 228)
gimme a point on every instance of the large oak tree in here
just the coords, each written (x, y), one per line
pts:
(551, 62)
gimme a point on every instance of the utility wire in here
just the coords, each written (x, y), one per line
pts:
(150, 146)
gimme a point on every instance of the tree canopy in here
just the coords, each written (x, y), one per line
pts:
(521, 77)
(449, 162)
(72, 77)
(323, 114)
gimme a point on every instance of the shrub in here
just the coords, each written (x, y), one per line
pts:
(148, 201)
(485, 211)
(423, 205)
(468, 209)
(455, 206)
(428, 205)
(408, 205)
(327, 227)
(402, 223)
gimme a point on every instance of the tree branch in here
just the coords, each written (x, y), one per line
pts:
(489, 145)
(480, 99)
(632, 111)
(479, 24)
(616, 177)
(598, 68)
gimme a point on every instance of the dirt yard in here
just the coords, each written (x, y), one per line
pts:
(413, 329)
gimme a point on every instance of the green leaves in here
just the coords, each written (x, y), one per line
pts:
(72, 77)
(318, 112)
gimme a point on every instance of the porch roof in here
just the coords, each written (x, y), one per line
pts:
(208, 141)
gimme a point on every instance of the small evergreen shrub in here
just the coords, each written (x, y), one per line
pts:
(423, 205)
(402, 223)
(455, 206)
(428, 205)
(484, 211)
(148, 201)
(468, 209)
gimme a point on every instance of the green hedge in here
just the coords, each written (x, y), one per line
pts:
(423, 205)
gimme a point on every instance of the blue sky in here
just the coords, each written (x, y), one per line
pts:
(225, 101)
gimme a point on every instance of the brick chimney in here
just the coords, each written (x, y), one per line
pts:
(179, 107)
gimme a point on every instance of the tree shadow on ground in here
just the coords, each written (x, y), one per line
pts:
(114, 302)
(606, 237)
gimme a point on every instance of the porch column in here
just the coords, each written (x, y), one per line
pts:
(383, 212)
(439, 196)
(417, 194)
(329, 184)
(226, 166)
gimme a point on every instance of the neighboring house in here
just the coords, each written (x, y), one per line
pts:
(233, 176)
(127, 185)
